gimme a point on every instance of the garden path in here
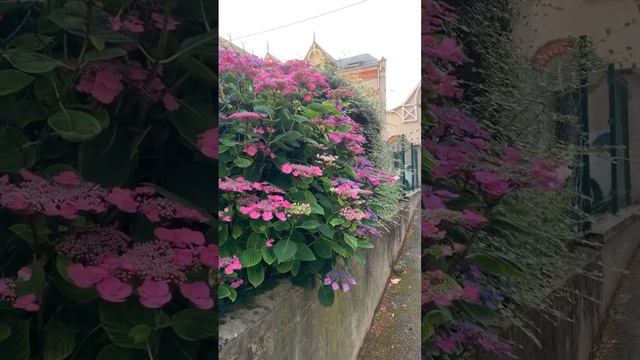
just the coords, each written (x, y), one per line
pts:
(621, 336)
(395, 331)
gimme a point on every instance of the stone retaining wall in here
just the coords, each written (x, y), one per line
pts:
(587, 309)
(288, 323)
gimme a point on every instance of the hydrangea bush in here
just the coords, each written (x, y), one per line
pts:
(105, 214)
(472, 181)
(296, 185)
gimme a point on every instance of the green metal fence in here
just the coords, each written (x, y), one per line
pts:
(407, 162)
(606, 190)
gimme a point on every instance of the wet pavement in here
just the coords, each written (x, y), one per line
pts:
(621, 336)
(395, 330)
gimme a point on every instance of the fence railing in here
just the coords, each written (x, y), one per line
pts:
(606, 179)
(407, 163)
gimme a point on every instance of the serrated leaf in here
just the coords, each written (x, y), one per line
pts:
(284, 250)
(309, 225)
(305, 253)
(243, 162)
(250, 257)
(256, 275)
(267, 255)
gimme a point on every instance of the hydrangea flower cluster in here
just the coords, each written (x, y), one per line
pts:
(349, 189)
(339, 279)
(301, 170)
(8, 293)
(108, 260)
(105, 80)
(284, 168)
(468, 165)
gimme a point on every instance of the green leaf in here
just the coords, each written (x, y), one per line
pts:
(305, 253)
(317, 209)
(290, 137)
(12, 81)
(267, 255)
(364, 244)
(140, 333)
(323, 249)
(336, 221)
(16, 151)
(481, 313)
(75, 126)
(112, 53)
(31, 41)
(114, 352)
(59, 341)
(194, 324)
(317, 107)
(261, 109)
(243, 162)
(97, 42)
(30, 61)
(497, 264)
(326, 230)
(250, 257)
(285, 250)
(256, 275)
(5, 332)
(17, 346)
(310, 225)
(351, 241)
(299, 118)
(118, 319)
(326, 296)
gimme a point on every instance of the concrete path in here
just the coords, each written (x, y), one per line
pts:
(395, 331)
(621, 336)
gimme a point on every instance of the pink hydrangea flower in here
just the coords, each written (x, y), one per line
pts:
(208, 256)
(301, 170)
(131, 23)
(170, 102)
(492, 183)
(198, 293)
(154, 294)
(24, 274)
(27, 302)
(124, 199)
(160, 20)
(86, 276)
(208, 143)
(230, 264)
(113, 290)
(181, 238)
(245, 116)
(183, 257)
(472, 218)
(68, 178)
(104, 84)
(269, 243)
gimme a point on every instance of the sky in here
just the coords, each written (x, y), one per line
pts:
(378, 27)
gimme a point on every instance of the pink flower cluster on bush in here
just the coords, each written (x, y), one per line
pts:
(105, 257)
(107, 79)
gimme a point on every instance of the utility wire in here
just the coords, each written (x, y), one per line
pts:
(300, 21)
